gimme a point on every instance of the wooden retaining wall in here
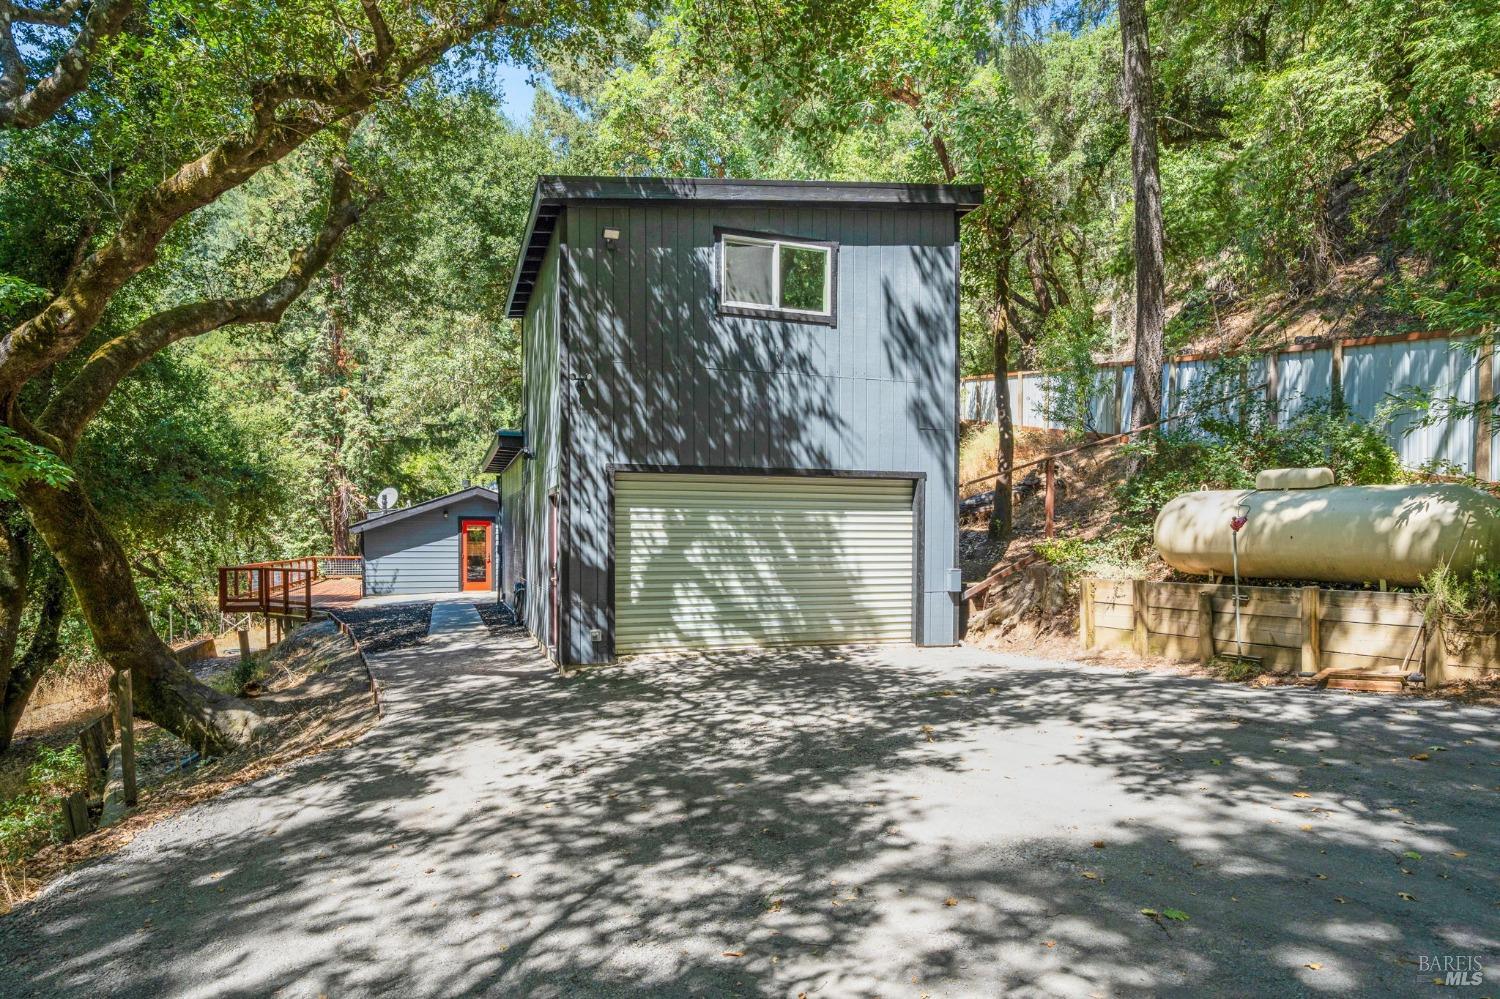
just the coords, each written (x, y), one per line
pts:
(1294, 630)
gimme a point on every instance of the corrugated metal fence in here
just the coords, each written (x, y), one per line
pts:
(1371, 371)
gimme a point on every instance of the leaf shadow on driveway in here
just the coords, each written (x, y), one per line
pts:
(835, 822)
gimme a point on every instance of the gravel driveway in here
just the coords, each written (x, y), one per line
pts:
(942, 822)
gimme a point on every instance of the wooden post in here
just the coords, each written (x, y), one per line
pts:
(125, 704)
(1205, 627)
(1141, 643)
(269, 643)
(1435, 655)
(95, 745)
(75, 810)
(1312, 649)
(1086, 612)
(1047, 466)
(1484, 425)
(244, 637)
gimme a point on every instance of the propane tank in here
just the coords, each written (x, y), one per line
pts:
(1330, 534)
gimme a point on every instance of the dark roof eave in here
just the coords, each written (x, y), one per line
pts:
(504, 449)
(424, 507)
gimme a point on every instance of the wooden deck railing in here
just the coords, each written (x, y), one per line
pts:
(283, 587)
(331, 566)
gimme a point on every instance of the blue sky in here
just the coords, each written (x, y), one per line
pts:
(518, 91)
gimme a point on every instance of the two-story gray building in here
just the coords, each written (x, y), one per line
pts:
(740, 415)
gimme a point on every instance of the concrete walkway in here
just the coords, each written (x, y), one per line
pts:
(457, 625)
(836, 823)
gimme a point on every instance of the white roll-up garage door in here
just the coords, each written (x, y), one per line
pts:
(716, 561)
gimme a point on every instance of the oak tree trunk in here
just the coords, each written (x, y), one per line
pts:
(1150, 293)
(1002, 320)
(41, 652)
(100, 575)
(1001, 514)
(336, 368)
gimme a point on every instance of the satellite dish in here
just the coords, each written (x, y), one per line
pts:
(387, 498)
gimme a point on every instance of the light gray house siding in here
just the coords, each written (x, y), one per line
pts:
(653, 376)
(527, 484)
(419, 553)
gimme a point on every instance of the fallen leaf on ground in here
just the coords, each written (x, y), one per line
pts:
(1420, 756)
(1091, 875)
(1098, 844)
(1176, 914)
(1408, 896)
(1314, 965)
(1300, 794)
(1049, 943)
(950, 902)
(734, 953)
(1459, 854)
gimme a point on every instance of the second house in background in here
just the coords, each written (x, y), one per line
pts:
(740, 415)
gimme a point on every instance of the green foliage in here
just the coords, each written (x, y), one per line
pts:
(1117, 554)
(1235, 669)
(22, 462)
(1071, 340)
(1452, 594)
(1216, 449)
(15, 294)
(29, 819)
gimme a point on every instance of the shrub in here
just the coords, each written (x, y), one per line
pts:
(1118, 554)
(1452, 594)
(1224, 452)
(29, 820)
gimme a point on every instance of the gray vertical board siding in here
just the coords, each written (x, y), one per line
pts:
(420, 554)
(526, 484)
(511, 529)
(1375, 375)
(875, 392)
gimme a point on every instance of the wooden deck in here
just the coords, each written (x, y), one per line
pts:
(292, 587)
(339, 591)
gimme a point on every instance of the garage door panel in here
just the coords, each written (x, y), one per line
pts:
(706, 561)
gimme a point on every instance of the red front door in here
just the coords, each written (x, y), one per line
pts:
(474, 541)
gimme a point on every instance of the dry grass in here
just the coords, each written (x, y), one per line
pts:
(64, 697)
(978, 452)
(318, 698)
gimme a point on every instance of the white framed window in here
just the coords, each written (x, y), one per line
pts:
(772, 277)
